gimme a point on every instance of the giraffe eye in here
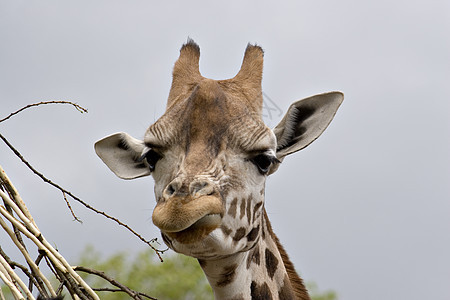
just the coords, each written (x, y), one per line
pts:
(263, 162)
(152, 158)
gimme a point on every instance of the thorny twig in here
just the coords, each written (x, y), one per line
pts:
(70, 208)
(66, 192)
(139, 294)
(78, 107)
(122, 288)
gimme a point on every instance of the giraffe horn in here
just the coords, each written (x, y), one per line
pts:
(186, 70)
(250, 75)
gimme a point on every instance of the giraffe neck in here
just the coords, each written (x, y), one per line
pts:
(263, 272)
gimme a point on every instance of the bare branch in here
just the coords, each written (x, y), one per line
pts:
(120, 291)
(58, 263)
(122, 288)
(70, 208)
(45, 179)
(78, 107)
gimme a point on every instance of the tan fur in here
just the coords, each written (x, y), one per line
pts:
(249, 77)
(246, 85)
(185, 72)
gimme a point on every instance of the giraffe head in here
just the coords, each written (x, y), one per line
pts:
(210, 154)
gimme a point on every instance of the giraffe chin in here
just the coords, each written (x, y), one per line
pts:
(197, 231)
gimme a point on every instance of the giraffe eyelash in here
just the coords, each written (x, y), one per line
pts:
(151, 157)
(264, 161)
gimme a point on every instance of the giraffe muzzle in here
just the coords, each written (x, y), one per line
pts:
(178, 214)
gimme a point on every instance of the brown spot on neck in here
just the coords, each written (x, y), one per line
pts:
(271, 263)
(260, 292)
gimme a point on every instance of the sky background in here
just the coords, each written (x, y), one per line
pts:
(364, 210)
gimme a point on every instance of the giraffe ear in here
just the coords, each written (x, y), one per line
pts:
(123, 155)
(305, 121)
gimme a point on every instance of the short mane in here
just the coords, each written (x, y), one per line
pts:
(297, 283)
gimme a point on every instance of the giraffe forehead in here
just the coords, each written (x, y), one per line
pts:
(210, 117)
(207, 113)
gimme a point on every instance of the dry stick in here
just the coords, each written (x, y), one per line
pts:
(73, 274)
(71, 210)
(122, 287)
(33, 280)
(25, 254)
(37, 261)
(14, 265)
(4, 271)
(15, 278)
(17, 153)
(120, 291)
(16, 231)
(78, 107)
(38, 239)
(64, 282)
(27, 223)
(34, 267)
(32, 233)
(72, 286)
(6, 185)
(15, 291)
(14, 194)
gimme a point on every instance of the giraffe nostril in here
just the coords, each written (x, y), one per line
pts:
(170, 190)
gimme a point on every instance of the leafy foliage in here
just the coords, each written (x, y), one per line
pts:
(178, 277)
(317, 295)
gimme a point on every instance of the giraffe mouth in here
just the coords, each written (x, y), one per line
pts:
(196, 231)
(210, 220)
(187, 219)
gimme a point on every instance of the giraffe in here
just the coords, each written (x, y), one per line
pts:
(210, 154)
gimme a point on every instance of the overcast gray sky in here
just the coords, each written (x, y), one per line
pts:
(364, 210)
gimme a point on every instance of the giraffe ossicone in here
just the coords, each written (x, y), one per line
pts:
(210, 154)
